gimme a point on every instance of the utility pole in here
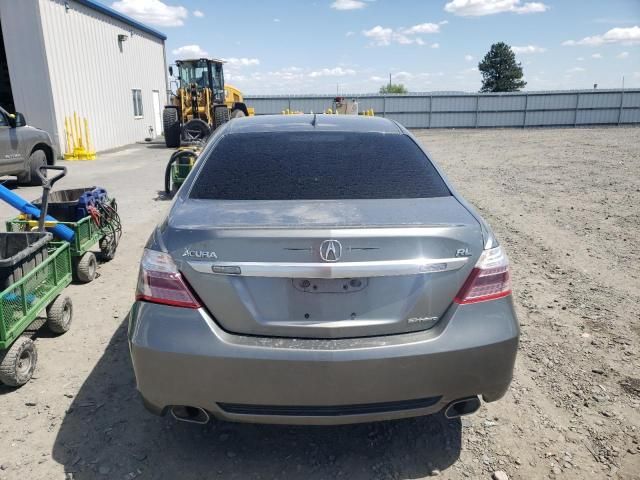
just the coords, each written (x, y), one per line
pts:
(389, 81)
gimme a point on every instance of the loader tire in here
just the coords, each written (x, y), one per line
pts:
(195, 130)
(237, 113)
(171, 124)
(18, 362)
(221, 116)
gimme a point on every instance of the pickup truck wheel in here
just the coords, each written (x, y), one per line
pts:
(18, 363)
(30, 177)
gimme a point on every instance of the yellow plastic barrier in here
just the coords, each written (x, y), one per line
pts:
(79, 146)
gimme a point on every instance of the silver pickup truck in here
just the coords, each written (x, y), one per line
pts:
(23, 148)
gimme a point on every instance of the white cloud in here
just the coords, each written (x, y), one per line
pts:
(435, 45)
(349, 34)
(277, 20)
(580, 59)
(153, 12)
(332, 72)
(596, 55)
(348, 4)
(198, 13)
(383, 36)
(443, 22)
(422, 28)
(622, 55)
(469, 70)
(475, 8)
(190, 51)
(468, 58)
(528, 49)
(576, 70)
(625, 36)
(242, 62)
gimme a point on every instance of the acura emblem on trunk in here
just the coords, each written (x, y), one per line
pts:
(330, 250)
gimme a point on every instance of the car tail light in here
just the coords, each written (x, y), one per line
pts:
(488, 280)
(161, 282)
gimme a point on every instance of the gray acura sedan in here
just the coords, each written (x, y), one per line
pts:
(320, 270)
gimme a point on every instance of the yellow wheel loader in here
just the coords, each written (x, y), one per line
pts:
(201, 102)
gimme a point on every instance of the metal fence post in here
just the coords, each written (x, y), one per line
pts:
(621, 106)
(526, 105)
(430, 110)
(477, 106)
(575, 115)
(384, 106)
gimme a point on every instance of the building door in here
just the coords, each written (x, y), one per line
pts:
(157, 108)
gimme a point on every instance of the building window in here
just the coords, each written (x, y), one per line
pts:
(137, 103)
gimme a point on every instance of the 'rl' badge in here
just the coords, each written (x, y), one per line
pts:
(463, 252)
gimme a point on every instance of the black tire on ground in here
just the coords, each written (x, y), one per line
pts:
(195, 130)
(237, 113)
(37, 159)
(60, 314)
(171, 125)
(18, 363)
(221, 115)
(86, 268)
(107, 249)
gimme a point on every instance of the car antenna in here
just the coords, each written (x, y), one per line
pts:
(313, 122)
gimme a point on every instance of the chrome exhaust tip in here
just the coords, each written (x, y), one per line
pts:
(188, 414)
(461, 407)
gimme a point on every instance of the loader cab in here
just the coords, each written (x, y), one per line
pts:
(205, 73)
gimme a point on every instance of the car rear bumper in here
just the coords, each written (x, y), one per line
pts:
(182, 357)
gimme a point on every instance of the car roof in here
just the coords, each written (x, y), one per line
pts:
(313, 122)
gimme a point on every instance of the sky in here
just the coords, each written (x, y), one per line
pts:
(351, 46)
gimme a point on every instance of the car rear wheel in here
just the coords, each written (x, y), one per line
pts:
(37, 159)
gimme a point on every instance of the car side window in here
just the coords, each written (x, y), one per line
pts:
(3, 120)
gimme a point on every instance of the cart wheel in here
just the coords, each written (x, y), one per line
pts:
(18, 363)
(60, 314)
(107, 249)
(86, 268)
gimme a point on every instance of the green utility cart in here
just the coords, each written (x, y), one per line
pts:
(34, 271)
(178, 168)
(103, 230)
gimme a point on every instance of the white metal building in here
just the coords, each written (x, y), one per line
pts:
(58, 57)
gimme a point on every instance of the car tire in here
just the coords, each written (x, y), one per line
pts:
(86, 268)
(18, 363)
(221, 116)
(60, 315)
(171, 125)
(37, 159)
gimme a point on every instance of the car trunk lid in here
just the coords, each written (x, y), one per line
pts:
(324, 269)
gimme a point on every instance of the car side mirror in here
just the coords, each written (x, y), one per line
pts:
(17, 120)
(170, 70)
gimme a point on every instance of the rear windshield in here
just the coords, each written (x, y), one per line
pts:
(317, 166)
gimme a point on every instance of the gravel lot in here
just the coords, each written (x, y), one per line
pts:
(565, 202)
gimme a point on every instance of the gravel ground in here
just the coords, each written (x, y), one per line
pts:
(565, 202)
